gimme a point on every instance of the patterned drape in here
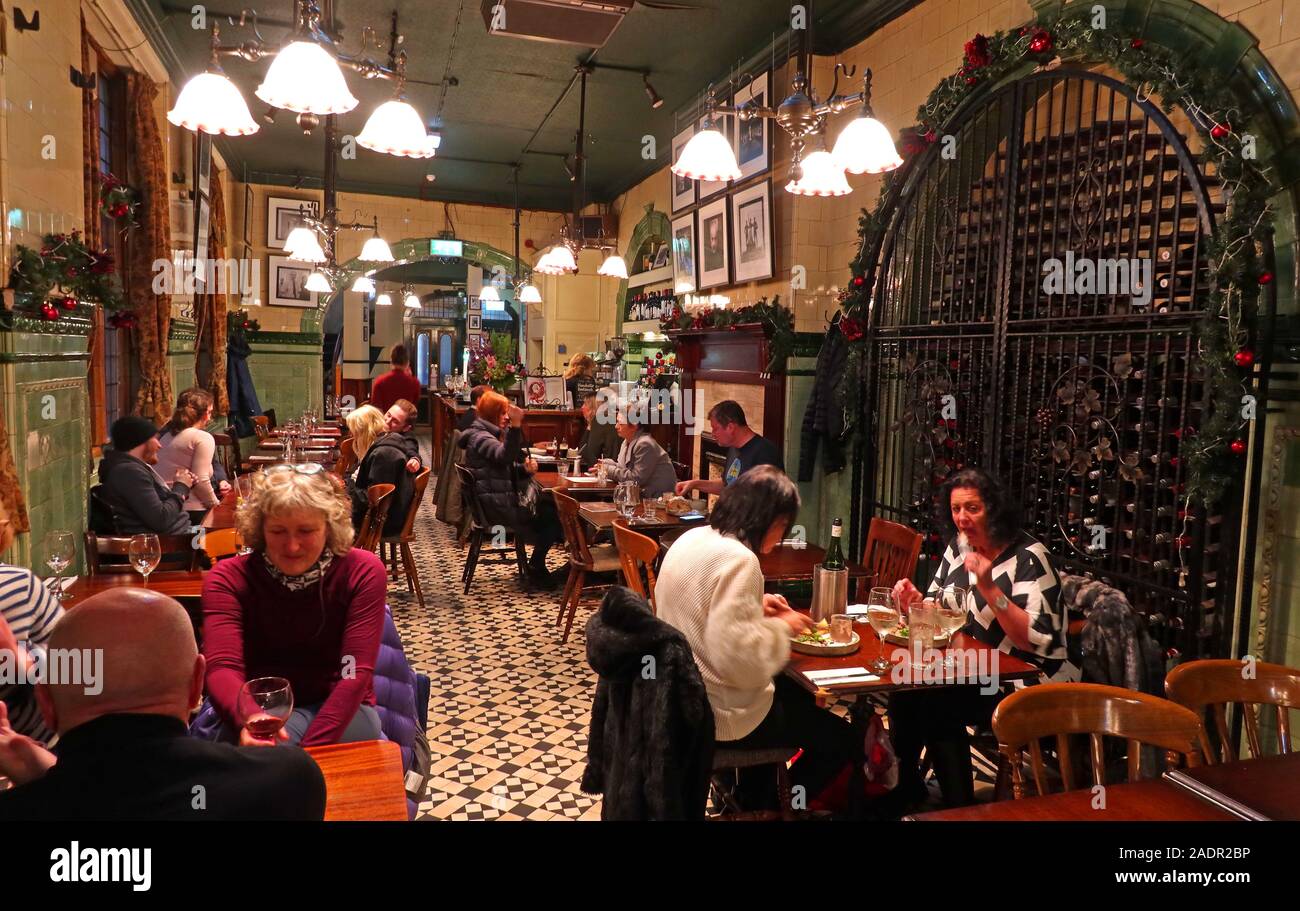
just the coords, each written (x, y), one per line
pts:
(151, 242)
(211, 307)
(89, 149)
(11, 493)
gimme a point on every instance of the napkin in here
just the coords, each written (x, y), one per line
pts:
(856, 610)
(841, 675)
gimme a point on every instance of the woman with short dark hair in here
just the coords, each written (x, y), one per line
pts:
(1013, 606)
(711, 589)
(640, 457)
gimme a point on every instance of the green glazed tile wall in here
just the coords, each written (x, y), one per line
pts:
(287, 377)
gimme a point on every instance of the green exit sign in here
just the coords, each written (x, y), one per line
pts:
(446, 248)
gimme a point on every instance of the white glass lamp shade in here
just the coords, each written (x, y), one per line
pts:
(614, 267)
(821, 177)
(412, 301)
(376, 251)
(529, 294)
(318, 282)
(394, 128)
(865, 147)
(489, 295)
(210, 103)
(708, 156)
(304, 78)
(563, 259)
(302, 246)
(383, 300)
(364, 284)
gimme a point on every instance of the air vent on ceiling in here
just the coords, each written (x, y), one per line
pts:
(585, 22)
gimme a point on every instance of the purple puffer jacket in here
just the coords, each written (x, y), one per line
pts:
(397, 700)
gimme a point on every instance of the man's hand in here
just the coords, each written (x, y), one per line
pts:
(530, 465)
(684, 487)
(22, 759)
(413, 465)
(516, 415)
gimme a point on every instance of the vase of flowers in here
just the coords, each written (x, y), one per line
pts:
(498, 366)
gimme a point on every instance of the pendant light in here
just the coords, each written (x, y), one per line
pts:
(319, 283)
(302, 246)
(304, 78)
(376, 250)
(613, 266)
(210, 102)
(822, 176)
(383, 300)
(364, 285)
(865, 147)
(394, 128)
(412, 301)
(708, 156)
(562, 259)
(529, 294)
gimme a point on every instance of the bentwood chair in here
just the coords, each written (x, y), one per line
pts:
(480, 531)
(1062, 709)
(635, 554)
(110, 554)
(891, 553)
(261, 426)
(228, 453)
(1212, 684)
(584, 560)
(402, 541)
(380, 498)
(347, 459)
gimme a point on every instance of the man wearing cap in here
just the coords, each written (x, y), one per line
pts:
(141, 500)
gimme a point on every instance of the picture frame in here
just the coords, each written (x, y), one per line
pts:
(751, 233)
(661, 257)
(248, 218)
(681, 188)
(285, 280)
(282, 217)
(753, 138)
(714, 245)
(684, 256)
(726, 124)
(475, 322)
(203, 164)
(202, 231)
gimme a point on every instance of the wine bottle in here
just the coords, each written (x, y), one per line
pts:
(834, 554)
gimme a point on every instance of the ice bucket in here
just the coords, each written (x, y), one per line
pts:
(830, 593)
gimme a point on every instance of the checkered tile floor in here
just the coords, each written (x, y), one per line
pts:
(509, 706)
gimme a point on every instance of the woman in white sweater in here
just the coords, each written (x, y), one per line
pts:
(711, 589)
(186, 444)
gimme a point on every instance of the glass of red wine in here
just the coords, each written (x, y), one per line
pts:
(265, 704)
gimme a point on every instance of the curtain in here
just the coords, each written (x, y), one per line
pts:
(90, 148)
(210, 312)
(11, 493)
(150, 242)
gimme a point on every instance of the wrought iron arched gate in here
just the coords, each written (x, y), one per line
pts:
(990, 343)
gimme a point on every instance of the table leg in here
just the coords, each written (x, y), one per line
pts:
(860, 714)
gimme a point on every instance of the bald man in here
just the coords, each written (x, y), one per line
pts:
(130, 676)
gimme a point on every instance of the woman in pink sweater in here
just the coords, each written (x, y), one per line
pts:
(304, 605)
(187, 445)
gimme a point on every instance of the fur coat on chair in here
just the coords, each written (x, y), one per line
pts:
(650, 751)
(1117, 649)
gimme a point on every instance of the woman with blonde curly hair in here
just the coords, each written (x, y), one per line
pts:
(304, 605)
(366, 424)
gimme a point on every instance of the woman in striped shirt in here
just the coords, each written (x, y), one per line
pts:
(27, 616)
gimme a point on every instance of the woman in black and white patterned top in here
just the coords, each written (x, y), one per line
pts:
(1014, 607)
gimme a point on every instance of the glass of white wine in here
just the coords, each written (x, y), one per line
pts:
(884, 617)
(144, 552)
(60, 548)
(951, 601)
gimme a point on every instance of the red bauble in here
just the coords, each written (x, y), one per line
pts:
(1244, 358)
(1173, 461)
(1136, 44)
(931, 136)
(954, 364)
(1265, 278)
(977, 52)
(971, 80)
(49, 312)
(1238, 447)
(1041, 41)
(1219, 130)
(858, 281)
(68, 304)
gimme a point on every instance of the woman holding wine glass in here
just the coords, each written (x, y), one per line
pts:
(1010, 588)
(302, 605)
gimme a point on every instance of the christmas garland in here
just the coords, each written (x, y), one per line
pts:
(63, 273)
(1212, 451)
(777, 322)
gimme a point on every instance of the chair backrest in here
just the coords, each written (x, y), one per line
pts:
(470, 496)
(683, 471)
(574, 537)
(178, 552)
(220, 543)
(421, 484)
(269, 414)
(1061, 709)
(228, 452)
(346, 460)
(380, 497)
(634, 552)
(261, 426)
(1214, 683)
(891, 552)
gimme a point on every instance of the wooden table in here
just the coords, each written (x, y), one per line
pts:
(319, 456)
(318, 432)
(277, 445)
(363, 781)
(172, 583)
(1264, 788)
(788, 564)
(553, 480)
(1141, 801)
(603, 519)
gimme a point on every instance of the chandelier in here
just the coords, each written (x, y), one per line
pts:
(303, 245)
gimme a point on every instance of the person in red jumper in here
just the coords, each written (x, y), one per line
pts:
(397, 383)
(304, 605)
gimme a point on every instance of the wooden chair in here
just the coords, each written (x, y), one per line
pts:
(346, 460)
(1213, 684)
(479, 531)
(402, 541)
(634, 553)
(380, 497)
(228, 453)
(178, 553)
(262, 426)
(1062, 709)
(269, 414)
(890, 554)
(683, 471)
(220, 543)
(584, 559)
(732, 761)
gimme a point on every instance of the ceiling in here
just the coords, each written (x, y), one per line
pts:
(497, 112)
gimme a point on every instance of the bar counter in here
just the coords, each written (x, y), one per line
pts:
(540, 424)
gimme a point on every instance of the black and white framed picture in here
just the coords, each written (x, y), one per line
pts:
(475, 322)
(283, 215)
(683, 187)
(753, 138)
(287, 283)
(202, 228)
(684, 254)
(714, 259)
(726, 125)
(751, 232)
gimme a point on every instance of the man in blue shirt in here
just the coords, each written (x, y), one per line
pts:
(745, 449)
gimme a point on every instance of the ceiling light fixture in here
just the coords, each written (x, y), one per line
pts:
(317, 282)
(395, 128)
(820, 175)
(412, 300)
(529, 294)
(656, 102)
(614, 266)
(708, 156)
(383, 300)
(364, 285)
(302, 246)
(210, 102)
(304, 78)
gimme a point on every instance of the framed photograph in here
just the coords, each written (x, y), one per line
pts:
(683, 189)
(202, 228)
(203, 163)
(753, 138)
(248, 218)
(286, 283)
(725, 124)
(282, 216)
(661, 257)
(684, 280)
(715, 262)
(475, 322)
(751, 232)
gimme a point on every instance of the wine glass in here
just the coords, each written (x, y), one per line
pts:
(884, 617)
(265, 704)
(144, 552)
(951, 601)
(60, 548)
